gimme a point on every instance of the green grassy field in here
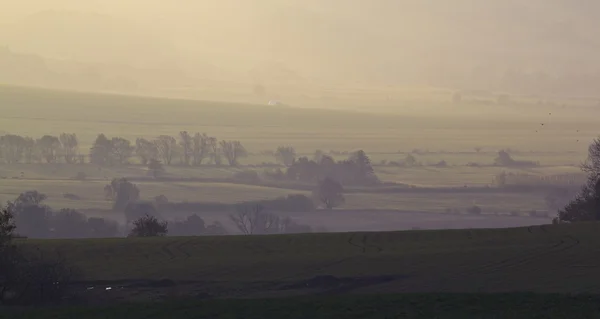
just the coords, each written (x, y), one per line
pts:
(425, 306)
(535, 259)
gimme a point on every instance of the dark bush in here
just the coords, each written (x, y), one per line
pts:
(148, 226)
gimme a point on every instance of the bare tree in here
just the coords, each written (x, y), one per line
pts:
(592, 164)
(29, 151)
(49, 147)
(586, 205)
(145, 150)
(186, 142)
(69, 146)
(121, 150)
(254, 220)
(233, 150)
(200, 148)
(215, 151)
(166, 146)
(12, 148)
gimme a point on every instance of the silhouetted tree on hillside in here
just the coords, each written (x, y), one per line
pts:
(149, 226)
(586, 205)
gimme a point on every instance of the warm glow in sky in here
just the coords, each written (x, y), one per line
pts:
(401, 41)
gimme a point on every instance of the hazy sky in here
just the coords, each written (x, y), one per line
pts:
(334, 39)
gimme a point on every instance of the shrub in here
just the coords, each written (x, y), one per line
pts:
(148, 226)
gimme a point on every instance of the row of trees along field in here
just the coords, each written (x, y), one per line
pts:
(186, 149)
(191, 150)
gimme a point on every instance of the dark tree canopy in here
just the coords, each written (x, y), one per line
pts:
(330, 193)
(586, 205)
(356, 170)
(148, 226)
(7, 227)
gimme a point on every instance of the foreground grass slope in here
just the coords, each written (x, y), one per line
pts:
(539, 259)
(424, 306)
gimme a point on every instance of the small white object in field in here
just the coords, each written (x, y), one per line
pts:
(275, 102)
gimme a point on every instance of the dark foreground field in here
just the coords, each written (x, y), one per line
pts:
(426, 306)
(559, 259)
(410, 274)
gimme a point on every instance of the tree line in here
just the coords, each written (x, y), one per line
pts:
(47, 149)
(187, 149)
